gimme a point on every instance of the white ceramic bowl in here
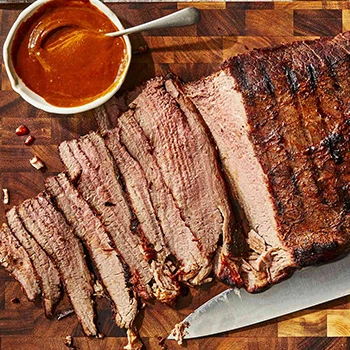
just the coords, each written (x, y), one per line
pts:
(36, 100)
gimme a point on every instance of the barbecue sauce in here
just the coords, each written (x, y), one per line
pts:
(62, 54)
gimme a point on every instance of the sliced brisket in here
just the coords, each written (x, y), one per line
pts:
(164, 134)
(223, 111)
(137, 188)
(106, 260)
(281, 140)
(89, 160)
(14, 258)
(176, 238)
(56, 237)
(185, 157)
(46, 271)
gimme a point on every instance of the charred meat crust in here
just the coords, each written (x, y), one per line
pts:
(318, 253)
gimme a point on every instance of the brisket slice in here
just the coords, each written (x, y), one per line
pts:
(89, 162)
(52, 232)
(177, 239)
(280, 138)
(15, 260)
(47, 273)
(89, 229)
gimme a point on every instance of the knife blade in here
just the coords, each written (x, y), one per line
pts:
(308, 287)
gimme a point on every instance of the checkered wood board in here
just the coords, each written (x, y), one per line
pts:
(225, 29)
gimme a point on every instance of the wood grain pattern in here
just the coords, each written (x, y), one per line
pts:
(226, 29)
(317, 22)
(269, 23)
(337, 323)
(307, 323)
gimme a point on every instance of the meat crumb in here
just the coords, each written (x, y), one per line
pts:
(64, 313)
(69, 342)
(161, 343)
(37, 163)
(179, 331)
(237, 292)
(141, 49)
(6, 195)
(15, 301)
(134, 342)
(98, 290)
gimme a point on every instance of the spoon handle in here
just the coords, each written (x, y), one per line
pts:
(182, 18)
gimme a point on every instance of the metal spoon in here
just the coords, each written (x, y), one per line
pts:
(182, 18)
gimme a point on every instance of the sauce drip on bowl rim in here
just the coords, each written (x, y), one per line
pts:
(62, 54)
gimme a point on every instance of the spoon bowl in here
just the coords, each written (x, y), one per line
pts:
(36, 100)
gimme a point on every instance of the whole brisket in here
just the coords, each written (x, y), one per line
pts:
(279, 119)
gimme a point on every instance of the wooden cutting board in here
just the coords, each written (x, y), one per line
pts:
(225, 30)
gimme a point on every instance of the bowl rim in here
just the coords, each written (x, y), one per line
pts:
(36, 100)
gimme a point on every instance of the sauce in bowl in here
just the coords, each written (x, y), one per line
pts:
(62, 54)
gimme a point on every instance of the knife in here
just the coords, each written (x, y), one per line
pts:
(308, 287)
